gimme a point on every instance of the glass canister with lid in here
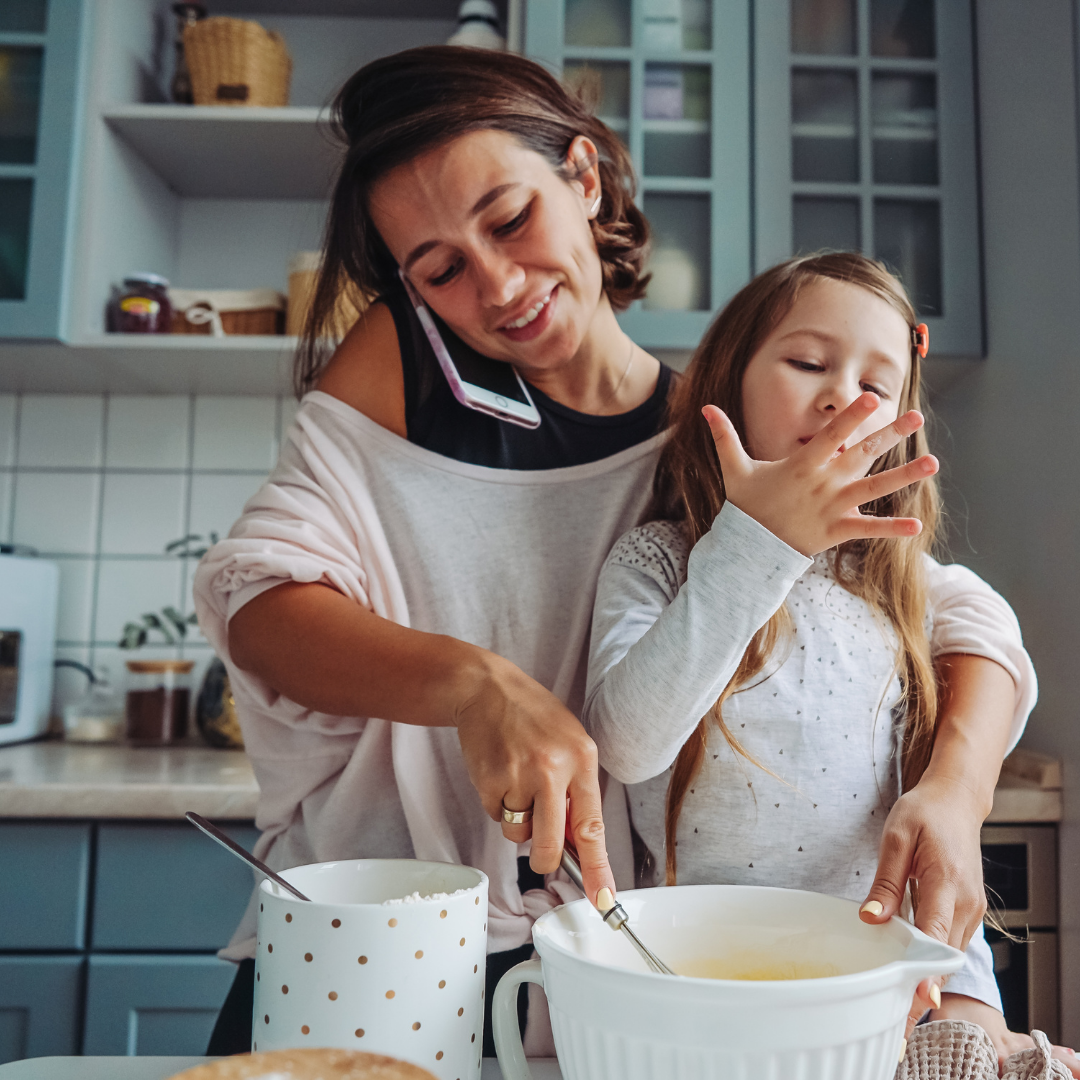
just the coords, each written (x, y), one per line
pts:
(157, 702)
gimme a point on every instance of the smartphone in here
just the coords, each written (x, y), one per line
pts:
(488, 386)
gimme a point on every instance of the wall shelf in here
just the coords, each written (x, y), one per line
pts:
(150, 364)
(207, 151)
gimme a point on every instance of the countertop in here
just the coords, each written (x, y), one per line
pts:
(160, 1068)
(55, 779)
(71, 780)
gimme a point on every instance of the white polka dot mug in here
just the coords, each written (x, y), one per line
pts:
(388, 956)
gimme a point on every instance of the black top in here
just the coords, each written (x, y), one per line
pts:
(436, 420)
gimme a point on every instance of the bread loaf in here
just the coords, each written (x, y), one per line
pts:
(313, 1064)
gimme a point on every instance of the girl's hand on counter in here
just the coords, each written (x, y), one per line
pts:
(932, 834)
(811, 499)
(524, 748)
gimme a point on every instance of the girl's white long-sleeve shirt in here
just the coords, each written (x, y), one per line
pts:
(669, 629)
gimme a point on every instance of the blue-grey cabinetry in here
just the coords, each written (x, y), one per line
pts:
(41, 66)
(762, 129)
(108, 936)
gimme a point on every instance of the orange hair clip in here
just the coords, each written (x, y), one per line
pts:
(920, 338)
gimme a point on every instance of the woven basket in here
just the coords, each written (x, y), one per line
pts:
(236, 62)
(250, 311)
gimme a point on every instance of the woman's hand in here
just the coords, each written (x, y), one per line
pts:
(811, 499)
(1006, 1042)
(523, 749)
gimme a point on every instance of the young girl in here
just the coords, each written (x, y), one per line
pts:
(762, 665)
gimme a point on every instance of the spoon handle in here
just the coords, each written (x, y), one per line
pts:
(229, 844)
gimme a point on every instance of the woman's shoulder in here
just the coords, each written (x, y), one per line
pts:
(365, 371)
(657, 549)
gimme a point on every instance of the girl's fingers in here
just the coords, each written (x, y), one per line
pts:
(881, 484)
(734, 460)
(823, 446)
(861, 527)
(862, 455)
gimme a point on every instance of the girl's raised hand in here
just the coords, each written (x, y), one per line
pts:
(811, 499)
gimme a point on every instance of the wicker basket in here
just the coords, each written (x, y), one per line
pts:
(236, 62)
(222, 312)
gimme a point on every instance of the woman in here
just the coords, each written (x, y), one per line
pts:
(414, 561)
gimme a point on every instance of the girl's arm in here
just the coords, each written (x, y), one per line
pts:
(660, 655)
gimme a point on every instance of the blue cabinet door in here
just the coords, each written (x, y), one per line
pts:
(43, 68)
(153, 1004)
(167, 887)
(39, 1006)
(43, 884)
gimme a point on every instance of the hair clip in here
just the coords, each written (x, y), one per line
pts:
(920, 338)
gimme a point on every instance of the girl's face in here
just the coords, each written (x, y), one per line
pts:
(837, 341)
(491, 237)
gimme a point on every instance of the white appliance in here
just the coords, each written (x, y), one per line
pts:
(28, 598)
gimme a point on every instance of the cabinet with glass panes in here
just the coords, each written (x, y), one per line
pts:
(672, 78)
(39, 67)
(863, 139)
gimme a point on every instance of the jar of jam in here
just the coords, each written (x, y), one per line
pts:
(142, 307)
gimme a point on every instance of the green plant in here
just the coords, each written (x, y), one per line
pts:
(192, 546)
(169, 623)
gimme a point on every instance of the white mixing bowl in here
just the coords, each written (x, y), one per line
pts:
(613, 1019)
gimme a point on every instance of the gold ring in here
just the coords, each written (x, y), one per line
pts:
(516, 817)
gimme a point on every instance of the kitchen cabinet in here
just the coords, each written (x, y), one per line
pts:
(44, 885)
(210, 197)
(133, 909)
(39, 1005)
(153, 1004)
(766, 128)
(42, 65)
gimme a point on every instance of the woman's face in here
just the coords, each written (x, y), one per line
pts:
(837, 341)
(497, 244)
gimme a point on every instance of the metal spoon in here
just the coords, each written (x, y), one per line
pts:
(616, 916)
(215, 833)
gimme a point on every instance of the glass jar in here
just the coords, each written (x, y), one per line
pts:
(98, 716)
(158, 701)
(142, 307)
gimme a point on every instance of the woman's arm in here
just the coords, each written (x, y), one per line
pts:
(522, 746)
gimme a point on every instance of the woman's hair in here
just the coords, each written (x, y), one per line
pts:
(400, 106)
(887, 573)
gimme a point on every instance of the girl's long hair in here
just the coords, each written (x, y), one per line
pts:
(397, 107)
(887, 573)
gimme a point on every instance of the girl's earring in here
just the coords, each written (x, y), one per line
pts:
(595, 208)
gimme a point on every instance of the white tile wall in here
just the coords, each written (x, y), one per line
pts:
(101, 484)
(57, 430)
(148, 433)
(235, 433)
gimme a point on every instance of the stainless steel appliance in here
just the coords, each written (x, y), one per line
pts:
(28, 599)
(1020, 869)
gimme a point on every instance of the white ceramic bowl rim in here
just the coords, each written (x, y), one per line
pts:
(921, 951)
(373, 877)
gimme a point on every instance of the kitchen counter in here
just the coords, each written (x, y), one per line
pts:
(55, 779)
(159, 1068)
(69, 780)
